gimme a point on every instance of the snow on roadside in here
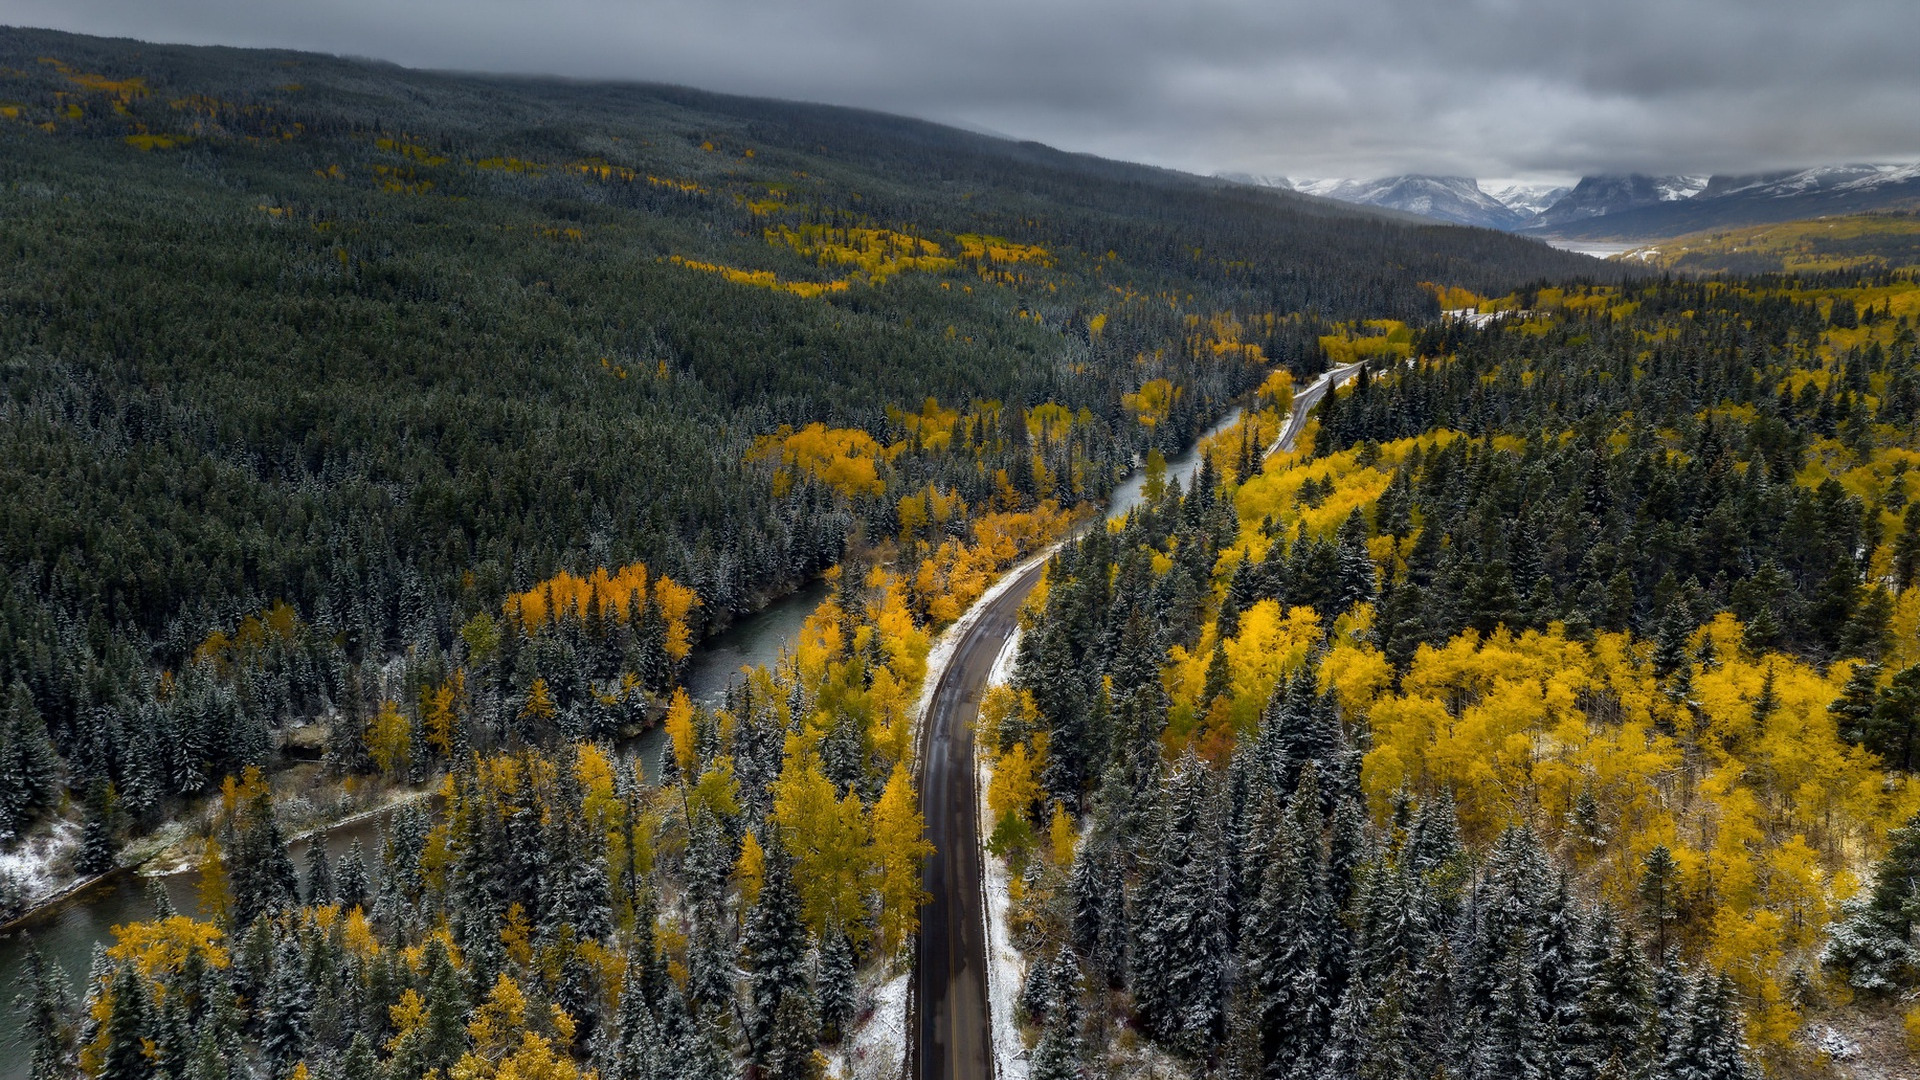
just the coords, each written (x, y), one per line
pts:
(941, 654)
(877, 1048)
(1006, 967)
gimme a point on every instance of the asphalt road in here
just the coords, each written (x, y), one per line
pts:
(954, 1038)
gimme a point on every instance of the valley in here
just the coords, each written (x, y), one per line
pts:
(535, 578)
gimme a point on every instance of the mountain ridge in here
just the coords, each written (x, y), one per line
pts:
(1624, 206)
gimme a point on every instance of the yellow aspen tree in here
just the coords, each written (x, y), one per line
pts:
(828, 839)
(899, 848)
(1061, 836)
(390, 739)
(215, 895)
(750, 870)
(1016, 783)
(442, 713)
(680, 729)
(539, 703)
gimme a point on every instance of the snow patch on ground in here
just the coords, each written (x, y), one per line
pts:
(877, 1048)
(1006, 968)
(34, 868)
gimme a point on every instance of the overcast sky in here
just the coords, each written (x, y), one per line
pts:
(1490, 88)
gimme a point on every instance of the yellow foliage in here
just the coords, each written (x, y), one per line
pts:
(214, 894)
(162, 945)
(877, 253)
(994, 249)
(1016, 782)
(1152, 402)
(762, 279)
(1061, 836)
(145, 141)
(750, 869)
(845, 459)
(679, 726)
(899, 849)
(827, 836)
(952, 576)
(390, 739)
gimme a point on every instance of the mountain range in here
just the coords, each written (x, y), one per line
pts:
(1625, 207)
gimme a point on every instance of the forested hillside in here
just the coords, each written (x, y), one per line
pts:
(1862, 243)
(1552, 715)
(417, 427)
(311, 364)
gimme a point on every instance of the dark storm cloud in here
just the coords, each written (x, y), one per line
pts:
(1332, 87)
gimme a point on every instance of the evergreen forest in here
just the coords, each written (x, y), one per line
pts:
(392, 441)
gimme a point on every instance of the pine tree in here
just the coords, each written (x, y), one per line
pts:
(836, 986)
(1617, 1006)
(1670, 1012)
(710, 960)
(791, 1039)
(128, 1026)
(1355, 580)
(1284, 938)
(27, 762)
(359, 1063)
(1512, 1039)
(1853, 710)
(1713, 1046)
(1098, 890)
(283, 1013)
(97, 846)
(775, 944)
(444, 1036)
(1660, 891)
(1670, 644)
(1873, 943)
(1061, 1053)
(353, 889)
(320, 889)
(1894, 731)
(1182, 931)
(47, 1003)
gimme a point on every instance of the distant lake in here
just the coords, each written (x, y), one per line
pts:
(1599, 249)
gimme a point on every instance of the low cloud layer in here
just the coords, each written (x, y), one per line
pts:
(1340, 88)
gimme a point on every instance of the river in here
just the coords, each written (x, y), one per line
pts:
(69, 932)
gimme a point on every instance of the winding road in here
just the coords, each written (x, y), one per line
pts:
(952, 1037)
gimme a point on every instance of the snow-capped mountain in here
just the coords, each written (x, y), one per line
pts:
(1599, 196)
(1729, 202)
(1528, 199)
(1454, 199)
(1625, 207)
(1826, 178)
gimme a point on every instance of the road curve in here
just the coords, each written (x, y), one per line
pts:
(952, 1037)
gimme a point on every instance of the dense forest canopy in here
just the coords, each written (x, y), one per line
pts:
(1551, 714)
(387, 346)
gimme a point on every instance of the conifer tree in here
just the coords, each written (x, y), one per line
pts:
(789, 1053)
(97, 846)
(836, 986)
(320, 888)
(775, 946)
(47, 1003)
(353, 891)
(1714, 1046)
(27, 762)
(1355, 582)
(283, 1012)
(129, 1025)
(1060, 1054)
